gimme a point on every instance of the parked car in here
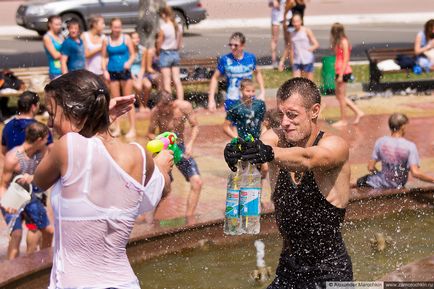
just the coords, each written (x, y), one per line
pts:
(34, 14)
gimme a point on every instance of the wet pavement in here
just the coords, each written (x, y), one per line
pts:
(208, 153)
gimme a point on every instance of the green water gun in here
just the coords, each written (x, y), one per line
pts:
(164, 141)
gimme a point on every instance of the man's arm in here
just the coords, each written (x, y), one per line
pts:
(260, 81)
(331, 152)
(10, 162)
(63, 63)
(188, 111)
(418, 174)
(372, 166)
(152, 125)
(212, 89)
(227, 129)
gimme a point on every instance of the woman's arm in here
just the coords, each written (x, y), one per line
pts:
(104, 59)
(312, 39)
(159, 41)
(50, 47)
(53, 165)
(418, 49)
(88, 53)
(130, 46)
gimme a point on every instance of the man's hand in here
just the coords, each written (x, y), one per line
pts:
(26, 179)
(120, 105)
(232, 154)
(188, 150)
(257, 152)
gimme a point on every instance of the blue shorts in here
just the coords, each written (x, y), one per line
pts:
(34, 214)
(188, 167)
(303, 67)
(169, 58)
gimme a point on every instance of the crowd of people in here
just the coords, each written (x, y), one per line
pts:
(96, 79)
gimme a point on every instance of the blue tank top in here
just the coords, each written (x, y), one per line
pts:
(117, 55)
(53, 64)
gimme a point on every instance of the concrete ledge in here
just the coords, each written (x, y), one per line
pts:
(31, 272)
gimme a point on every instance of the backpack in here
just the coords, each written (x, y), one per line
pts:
(405, 61)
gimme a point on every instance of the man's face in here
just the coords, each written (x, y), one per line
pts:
(40, 143)
(236, 46)
(74, 30)
(297, 120)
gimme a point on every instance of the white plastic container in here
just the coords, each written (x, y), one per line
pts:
(16, 197)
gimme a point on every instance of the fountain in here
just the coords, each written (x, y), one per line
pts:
(200, 255)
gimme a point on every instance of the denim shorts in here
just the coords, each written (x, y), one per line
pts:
(169, 58)
(303, 67)
(34, 214)
(188, 167)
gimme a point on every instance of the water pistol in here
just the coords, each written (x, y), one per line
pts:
(164, 141)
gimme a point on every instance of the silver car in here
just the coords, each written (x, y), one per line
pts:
(34, 14)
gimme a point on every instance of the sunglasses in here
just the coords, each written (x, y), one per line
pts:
(233, 45)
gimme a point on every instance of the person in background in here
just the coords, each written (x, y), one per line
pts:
(235, 66)
(53, 40)
(98, 193)
(277, 10)
(398, 157)
(142, 81)
(14, 130)
(169, 42)
(424, 46)
(23, 160)
(72, 49)
(92, 41)
(342, 49)
(272, 119)
(173, 115)
(247, 114)
(148, 25)
(303, 44)
(118, 56)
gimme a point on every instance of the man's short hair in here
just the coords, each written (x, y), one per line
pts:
(71, 22)
(302, 86)
(397, 120)
(240, 36)
(35, 131)
(26, 100)
(165, 97)
(246, 82)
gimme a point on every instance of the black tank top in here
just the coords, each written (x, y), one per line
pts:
(309, 224)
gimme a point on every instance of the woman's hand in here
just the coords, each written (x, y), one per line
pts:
(340, 78)
(120, 105)
(164, 161)
(127, 65)
(106, 75)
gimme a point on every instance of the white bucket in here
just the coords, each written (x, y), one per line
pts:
(16, 197)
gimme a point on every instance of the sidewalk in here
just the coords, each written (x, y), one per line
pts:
(256, 13)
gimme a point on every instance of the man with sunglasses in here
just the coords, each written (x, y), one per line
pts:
(235, 66)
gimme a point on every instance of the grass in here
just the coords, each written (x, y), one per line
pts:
(274, 78)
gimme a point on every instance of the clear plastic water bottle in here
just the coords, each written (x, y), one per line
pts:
(232, 213)
(250, 200)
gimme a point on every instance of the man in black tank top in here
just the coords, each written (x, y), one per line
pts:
(310, 176)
